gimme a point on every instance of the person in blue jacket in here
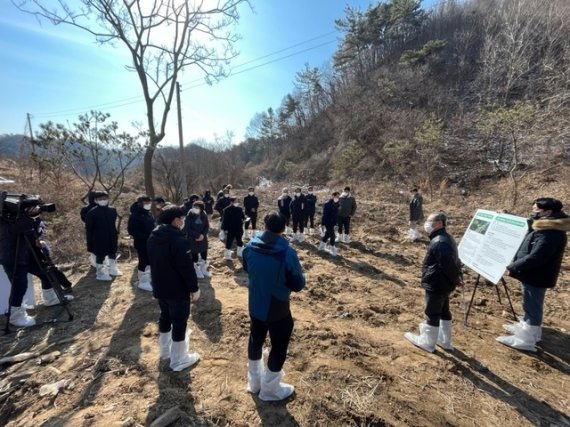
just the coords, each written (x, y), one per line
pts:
(274, 271)
(328, 221)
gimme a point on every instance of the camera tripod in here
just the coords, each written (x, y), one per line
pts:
(44, 262)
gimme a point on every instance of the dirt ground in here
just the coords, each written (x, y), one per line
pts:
(348, 359)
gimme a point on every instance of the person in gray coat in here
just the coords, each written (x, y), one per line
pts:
(346, 210)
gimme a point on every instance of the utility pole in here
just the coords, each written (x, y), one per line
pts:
(183, 183)
(24, 150)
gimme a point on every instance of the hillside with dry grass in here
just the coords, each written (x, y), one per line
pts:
(348, 358)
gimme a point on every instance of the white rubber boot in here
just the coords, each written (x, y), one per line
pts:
(50, 297)
(227, 254)
(144, 281)
(239, 251)
(204, 269)
(255, 372)
(113, 270)
(92, 260)
(300, 238)
(102, 273)
(341, 238)
(322, 246)
(523, 339)
(347, 238)
(198, 270)
(444, 336)
(334, 251)
(427, 338)
(19, 318)
(180, 359)
(272, 388)
(164, 344)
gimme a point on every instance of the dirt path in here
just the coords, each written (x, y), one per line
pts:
(348, 359)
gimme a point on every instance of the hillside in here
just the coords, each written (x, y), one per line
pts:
(348, 358)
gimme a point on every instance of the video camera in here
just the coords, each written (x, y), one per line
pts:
(13, 206)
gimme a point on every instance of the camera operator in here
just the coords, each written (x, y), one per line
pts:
(18, 260)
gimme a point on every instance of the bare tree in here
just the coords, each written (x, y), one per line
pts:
(162, 36)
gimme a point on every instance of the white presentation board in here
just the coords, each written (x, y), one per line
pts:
(490, 243)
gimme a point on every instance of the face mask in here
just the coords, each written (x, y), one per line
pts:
(297, 194)
(236, 204)
(428, 227)
(344, 193)
(195, 211)
(251, 193)
(310, 193)
(335, 200)
(103, 202)
(226, 195)
(147, 206)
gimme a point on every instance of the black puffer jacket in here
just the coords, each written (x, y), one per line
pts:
(101, 231)
(441, 270)
(537, 262)
(90, 205)
(298, 206)
(222, 203)
(140, 225)
(416, 208)
(311, 204)
(195, 225)
(251, 204)
(171, 268)
(232, 219)
(9, 243)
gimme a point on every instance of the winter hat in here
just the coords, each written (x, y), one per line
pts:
(169, 214)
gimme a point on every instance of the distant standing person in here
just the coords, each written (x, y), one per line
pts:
(196, 229)
(223, 202)
(208, 203)
(102, 236)
(346, 210)
(251, 205)
(83, 214)
(159, 203)
(140, 225)
(175, 286)
(232, 225)
(537, 266)
(328, 221)
(310, 210)
(274, 271)
(416, 213)
(297, 209)
(441, 274)
(284, 206)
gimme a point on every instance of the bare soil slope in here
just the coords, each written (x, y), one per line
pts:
(348, 359)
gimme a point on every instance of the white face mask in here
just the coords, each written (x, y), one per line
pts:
(226, 194)
(103, 202)
(195, 211)
(345, 194)
(428, 227)
(236, 204)
(147, 206)
(251, 193)
(297, 194)
(335, 200)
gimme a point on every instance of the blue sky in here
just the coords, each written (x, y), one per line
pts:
(58, 72)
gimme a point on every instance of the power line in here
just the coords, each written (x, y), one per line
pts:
(137, 99)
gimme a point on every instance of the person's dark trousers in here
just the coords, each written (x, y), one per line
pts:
(437, 308)
(280, 334)
(344, 222)
(203, 255)
(34, 269)
(298, 223)
(19, 281)
(533, 304)
(329, 234)
(253, 220)
(174, 316)
(310, 219)
(100, 259)
(231, 235)
(143, 258)
(287, 220)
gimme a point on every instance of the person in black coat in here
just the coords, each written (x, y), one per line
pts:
(537, 265)
(416, 213)
(310, 209)
(297, 208)
(251, 205)
(189, 202)
(232, 225)
(284, 206)
(196, 230)
(223, 202)
(140, 225)
(328, 222)
(441, 274)
(102, 236)
(208, 202)
(174, 285)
